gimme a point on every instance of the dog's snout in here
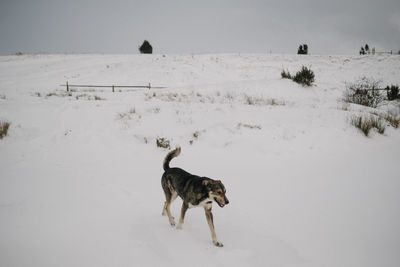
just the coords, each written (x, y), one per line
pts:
(226, 201)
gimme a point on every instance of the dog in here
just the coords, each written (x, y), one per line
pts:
(194, 191)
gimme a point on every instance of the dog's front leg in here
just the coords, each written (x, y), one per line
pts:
(210, 221)
(184, 208)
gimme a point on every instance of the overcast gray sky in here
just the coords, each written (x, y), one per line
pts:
(198, 26)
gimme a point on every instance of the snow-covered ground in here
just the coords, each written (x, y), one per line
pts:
(80, 178)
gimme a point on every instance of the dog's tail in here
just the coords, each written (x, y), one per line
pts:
(172, 154)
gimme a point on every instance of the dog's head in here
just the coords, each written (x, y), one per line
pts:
(216, 191)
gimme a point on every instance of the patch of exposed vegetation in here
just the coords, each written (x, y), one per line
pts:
(4, 126)
(363, 92)
(163, 143)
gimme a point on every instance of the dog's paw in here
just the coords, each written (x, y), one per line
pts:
(172, 222)
(217, 243)
(179, 226)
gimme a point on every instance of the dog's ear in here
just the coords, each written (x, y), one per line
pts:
(206, 182)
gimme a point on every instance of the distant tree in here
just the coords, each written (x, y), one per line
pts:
(392, 92)
(146, 48)
(300, 50)
(366, 48)
(303, 49)
(362, 51)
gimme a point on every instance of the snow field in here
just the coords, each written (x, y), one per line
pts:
(80, 182)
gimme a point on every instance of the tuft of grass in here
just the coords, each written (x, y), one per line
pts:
(261, 101)
(163, 143)
(88, 97)
(60, 94)
(394, 121)
(81, 96)
(393, 117)
(4, 126)
(195, 137)
(229, 96)
(365, 124)
(129, 114)
(249, 126)
(196, 134)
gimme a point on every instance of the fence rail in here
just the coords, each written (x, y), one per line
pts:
(69, 86)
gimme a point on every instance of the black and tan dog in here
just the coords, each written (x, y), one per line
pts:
(195, 191)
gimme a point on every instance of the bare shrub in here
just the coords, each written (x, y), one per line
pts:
(4, 126)
(163, 143)
(365, 124)
(363, 92)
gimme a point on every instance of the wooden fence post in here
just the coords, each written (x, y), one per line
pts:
(113, 88)
(67, 87)
(149, 86)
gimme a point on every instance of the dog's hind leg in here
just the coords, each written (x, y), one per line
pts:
(184, 208)
(170, 197)
(210, 221)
